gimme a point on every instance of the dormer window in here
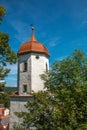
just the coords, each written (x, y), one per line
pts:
(25, 66)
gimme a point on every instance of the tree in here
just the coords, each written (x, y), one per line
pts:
(68, 81)
(43, 114)
(6, 54)
(5, 99)
(70, 72)
(64, 105)
(2, 13)
(61, 110)
(17, 127)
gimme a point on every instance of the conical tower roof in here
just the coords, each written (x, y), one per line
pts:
(33, 46)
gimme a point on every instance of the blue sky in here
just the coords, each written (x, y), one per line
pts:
(61, 25)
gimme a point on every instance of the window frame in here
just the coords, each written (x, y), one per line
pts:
(25, 67)
(25, 88)
(46, 67)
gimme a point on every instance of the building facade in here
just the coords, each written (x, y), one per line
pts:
(4, 118)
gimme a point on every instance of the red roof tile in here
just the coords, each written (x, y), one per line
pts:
(33, 46)
(2, 111)
(1, 127)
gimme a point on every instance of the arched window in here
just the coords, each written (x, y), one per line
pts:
(25, 66)
(46, 67)
(24, 88)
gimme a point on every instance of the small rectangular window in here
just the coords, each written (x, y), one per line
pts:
(24, 88)
(46, 67)
(25, 66)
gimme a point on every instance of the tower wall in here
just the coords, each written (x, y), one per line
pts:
(17, 104)
(24, 77)
(36, 65)
(39, 64)
(32, 62)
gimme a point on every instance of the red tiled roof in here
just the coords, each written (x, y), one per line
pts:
(2, 111)
(1, 127)
(6, 125)
(33, 46)
(3, 116)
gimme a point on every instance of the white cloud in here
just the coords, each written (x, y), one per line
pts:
(84, 22)
(22, 30)
(13, 69)
(79, 42)
(82, 16)
(53, 41)
(11, 78)
(61, 58)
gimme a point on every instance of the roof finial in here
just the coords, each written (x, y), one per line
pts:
(32, 27)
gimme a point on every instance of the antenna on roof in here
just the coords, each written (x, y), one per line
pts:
(32, 27)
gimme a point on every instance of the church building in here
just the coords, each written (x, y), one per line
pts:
(33, 60)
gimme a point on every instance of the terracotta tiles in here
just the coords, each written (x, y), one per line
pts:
(33, 46)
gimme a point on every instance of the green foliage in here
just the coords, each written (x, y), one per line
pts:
(5, 99)
(43, 114)
(10, 89)
(70, 72)
(64, 105)
(17, 127)
(2, 87)
(74, 112)
(82, 127)
(6, 54)
(2, 13)
(5, 94)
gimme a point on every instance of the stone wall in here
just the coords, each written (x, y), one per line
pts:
(24, 77)
(36, 65)
(17, 104)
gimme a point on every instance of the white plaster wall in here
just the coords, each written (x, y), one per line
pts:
(24, 77)
(17, 105)
(6, 112)
(38, 66)
(31, 78)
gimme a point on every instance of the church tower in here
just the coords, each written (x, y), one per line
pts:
(33, 60)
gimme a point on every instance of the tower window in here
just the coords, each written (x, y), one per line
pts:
(46, 67)
(25, 66)
(25, 88)
(37, 57)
